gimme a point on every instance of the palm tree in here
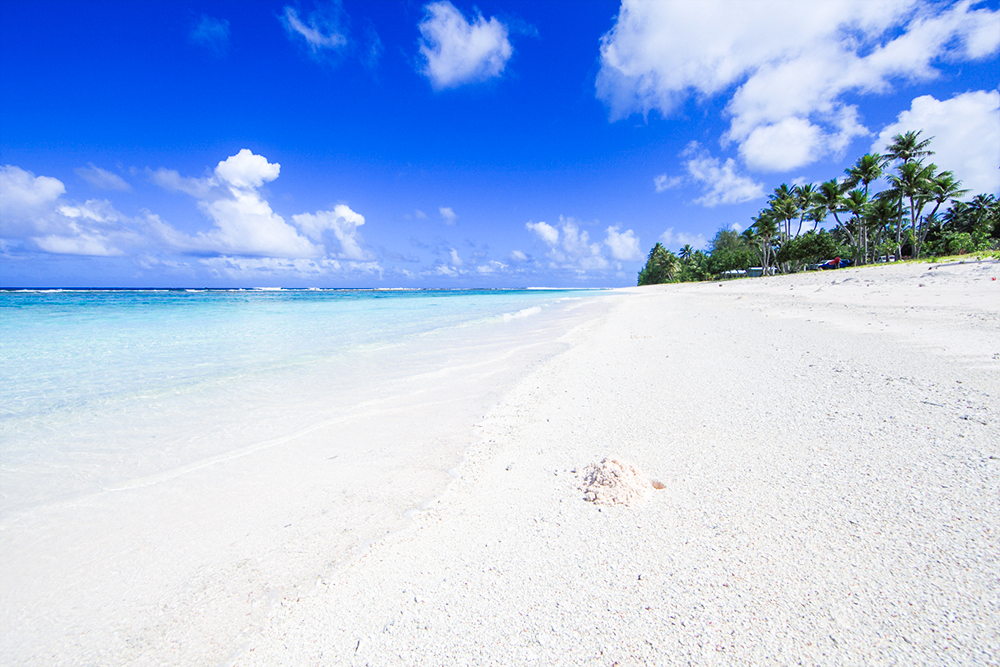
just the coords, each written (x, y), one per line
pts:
(913, 183)
(661, 267)
(830, 197)
(856, 203)
(686, 251)
(907, 148)
(868, 168)
(765, 228)
(940, 189)
(783, 203)
(882, 212)
(817, 214)
(805, 200)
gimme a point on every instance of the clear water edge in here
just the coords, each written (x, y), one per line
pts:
(104, 390)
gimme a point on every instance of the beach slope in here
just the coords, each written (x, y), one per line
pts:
(829, 449)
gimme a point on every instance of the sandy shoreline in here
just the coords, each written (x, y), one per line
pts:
(830, 445)
(830, 449)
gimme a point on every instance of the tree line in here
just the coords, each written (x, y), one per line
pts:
(916, 214)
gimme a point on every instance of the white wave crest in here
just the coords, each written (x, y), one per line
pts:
(525, 312)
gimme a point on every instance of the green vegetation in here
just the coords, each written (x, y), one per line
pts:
(916, 215)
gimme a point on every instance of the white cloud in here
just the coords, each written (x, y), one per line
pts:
(80, 244)
(445, 270)
(33, 212)
(791, 63)
(35, 215)
(420, 215)
(457, 51)
(26, 200)
(722, 185)
(246, 170)
(570, 247)
(102, 179)
(491, 266)
(783, 145)
(447, 215)
(518, 256)
(243, 171)
(246, 225)
(321, 32)
(343, 222)
(966, 136)
(246, 235)
(663, 183)
(455, 259)
(92, 210)
(545, 231)
(624, 245)
(676, 240)
(211, 33)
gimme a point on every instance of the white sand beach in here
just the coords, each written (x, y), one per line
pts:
(829, 450)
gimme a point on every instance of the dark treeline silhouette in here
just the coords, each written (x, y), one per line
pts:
(917, 214)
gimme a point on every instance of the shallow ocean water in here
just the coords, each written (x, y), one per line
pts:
(101, 389)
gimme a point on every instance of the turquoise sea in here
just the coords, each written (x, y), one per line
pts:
(100, 388)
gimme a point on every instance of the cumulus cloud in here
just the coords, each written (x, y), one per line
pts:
(457, 51)
(966, 136)
(321, 32)
(570, 247)
(545, 232)
(624, 245)
(102, 179)
(246, 238)
(518, 256)
(244, 222)
(35, 215)
(447, 214)
(25, 199)
(454, 258)
(342, 222)
(783, 145)
(246, 170)
(211, 33)
(791, 63)
(720, 180)
(92, 245)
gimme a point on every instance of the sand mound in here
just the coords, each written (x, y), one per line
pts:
(613, 482)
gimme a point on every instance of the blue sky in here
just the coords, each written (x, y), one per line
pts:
(451, 144)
